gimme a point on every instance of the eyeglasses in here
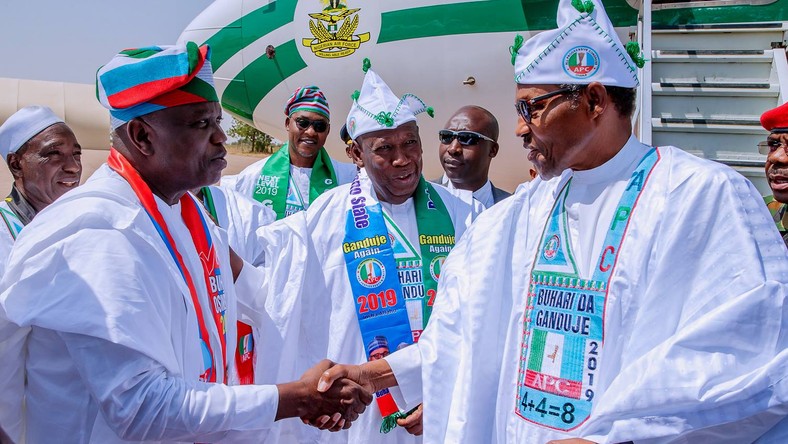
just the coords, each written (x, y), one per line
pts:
(769, 146)
(464, 137)
(319, 125)
(524, 106)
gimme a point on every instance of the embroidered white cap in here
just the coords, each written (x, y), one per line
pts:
(376, 107)
(583, 49)
(23, 125)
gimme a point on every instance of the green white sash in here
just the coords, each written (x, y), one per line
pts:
(563, 326)
(272, 185)
(12, 222)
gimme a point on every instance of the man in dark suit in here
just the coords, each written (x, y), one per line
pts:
(468, 143)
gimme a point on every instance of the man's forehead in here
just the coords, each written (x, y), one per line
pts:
(53, 135)
(308, 115)
(529, 89)
(409, 129)
(188, 111)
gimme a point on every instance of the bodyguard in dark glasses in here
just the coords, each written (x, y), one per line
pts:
(468, 143)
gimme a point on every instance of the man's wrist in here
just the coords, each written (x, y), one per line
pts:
(293, 400)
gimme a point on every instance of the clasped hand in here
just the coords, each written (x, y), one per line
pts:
(333, 408)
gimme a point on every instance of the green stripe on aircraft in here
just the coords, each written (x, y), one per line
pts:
(258, 78)
(247, 29)
(484, 16)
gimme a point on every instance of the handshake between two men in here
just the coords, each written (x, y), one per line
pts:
(330, 396)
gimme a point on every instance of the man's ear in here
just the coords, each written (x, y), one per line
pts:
(139, 135)
(14, 161)
(598, 100)
(287, 123)
(355, 151)
(494, 149)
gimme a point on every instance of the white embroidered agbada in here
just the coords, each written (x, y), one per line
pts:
(695, 328)
(241, 216)
(10, 226)
(321, 319)
(94, 308)
(298, 187)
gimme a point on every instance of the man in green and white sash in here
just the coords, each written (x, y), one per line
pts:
(375, 251)
(610, 299)
(45, 160)
(301, 170)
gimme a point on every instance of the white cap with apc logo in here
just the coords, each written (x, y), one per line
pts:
(583, 49)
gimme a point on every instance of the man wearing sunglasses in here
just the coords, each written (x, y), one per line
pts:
(468, 143)
(290, 179)
(775, 149)
(613, 298)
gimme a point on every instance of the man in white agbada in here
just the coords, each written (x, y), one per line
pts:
(115, 317)
(630, 293)
(375, 252)
(301, 170)
(45, 161)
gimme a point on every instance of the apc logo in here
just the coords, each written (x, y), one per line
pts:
(551, 247)
(330, 39)
(370, 273)
(436, 265)
(581, 62)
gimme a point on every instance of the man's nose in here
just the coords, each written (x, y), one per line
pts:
(455, 148)
(780, 155)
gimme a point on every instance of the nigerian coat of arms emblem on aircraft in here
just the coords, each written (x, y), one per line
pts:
(334, 31)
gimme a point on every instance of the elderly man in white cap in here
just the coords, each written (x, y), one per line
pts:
(609, 300)
(45, 160)
(118, 309)
(375, 251)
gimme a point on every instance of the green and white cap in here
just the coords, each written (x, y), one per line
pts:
(583, 49)
(376, 107)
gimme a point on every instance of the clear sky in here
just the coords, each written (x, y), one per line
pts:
(67, 40)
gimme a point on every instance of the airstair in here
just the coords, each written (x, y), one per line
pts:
(710, 84)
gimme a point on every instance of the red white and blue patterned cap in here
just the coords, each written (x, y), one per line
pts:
(144, 80)
(376, 107)
(583, 49)
(308, 98)
(23, 125)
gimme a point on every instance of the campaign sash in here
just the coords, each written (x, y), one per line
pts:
(563, 326)
(272, 186)
(245, 351)
(384, 316)
(12, 222)
(203, 243)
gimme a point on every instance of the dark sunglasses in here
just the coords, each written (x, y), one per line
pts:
(319, 125)
(524, 106)
(769, 146)
(464, 137)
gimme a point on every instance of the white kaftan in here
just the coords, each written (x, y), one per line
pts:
(321, 320)
(6, 237)
(241, 216)
(298, 187)
(695, 328)
(96, 313)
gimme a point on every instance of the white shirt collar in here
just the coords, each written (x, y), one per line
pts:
(632, 151)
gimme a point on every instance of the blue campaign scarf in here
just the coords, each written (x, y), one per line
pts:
(563, 331)
(374, 279)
